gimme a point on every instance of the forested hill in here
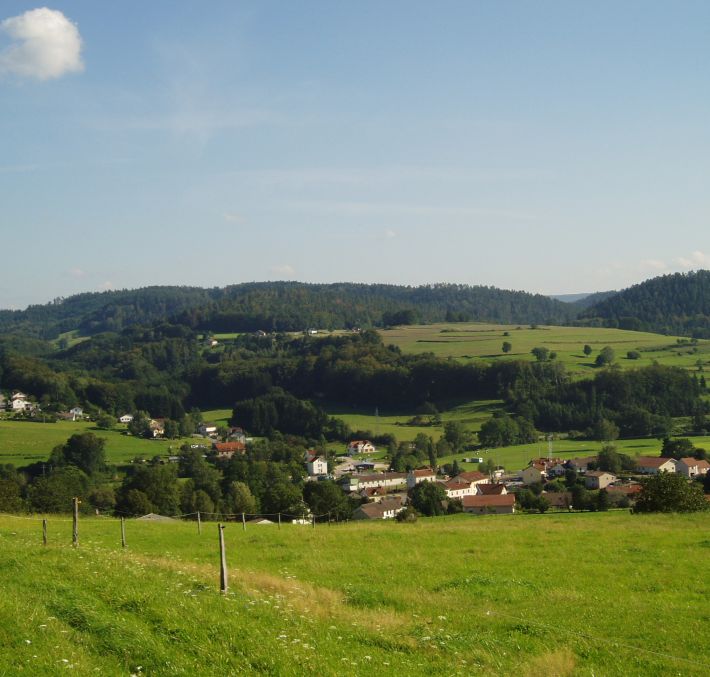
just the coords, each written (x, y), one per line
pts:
(670, 304)
(591, 300)
(283, 306)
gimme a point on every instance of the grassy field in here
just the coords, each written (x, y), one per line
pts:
(22, 443)
(473, 341)
(517, 457)
(504, 595)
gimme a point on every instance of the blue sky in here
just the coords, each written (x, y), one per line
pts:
(548, 146)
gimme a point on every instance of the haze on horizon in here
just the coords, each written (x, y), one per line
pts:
(552, 147)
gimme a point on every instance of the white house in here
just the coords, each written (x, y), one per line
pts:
(126, 418)
(207, 429)
(382, 479)
(598, 479)
(652, 465)
(360, 447)
(414, 477)
(692, 467)
(19, 401)
(317, 465)
(387, 508)
(456, 489)
(77, 413)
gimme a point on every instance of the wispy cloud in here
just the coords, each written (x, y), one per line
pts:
(44, 45)
(697, 259)
(285, 269)
(77, 272)
(232, 217)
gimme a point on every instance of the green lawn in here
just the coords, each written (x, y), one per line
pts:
(481, 341)
(22, 443)
(556, 594)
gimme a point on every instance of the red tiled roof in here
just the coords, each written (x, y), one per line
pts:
(227, 447)
(424, 472)
(652, 461)
(498, 500)
(491, 489)
(471, 476)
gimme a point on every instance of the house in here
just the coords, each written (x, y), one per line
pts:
(236, 435)
(414, 477)
(361, 447)
(77, 413)
(207, 429)
(691, 467)
(561, 500)
(317, 465)
(534, 473)
(582, 464)
(472, 476)
(491, 489)
(652, 465)
(598, 479)
(387, 508)
(496, 504)
(228, 449)
(157, 426)
(19, 401)
(126, 418)
(458, 488)
(373, 493)
(382, 479)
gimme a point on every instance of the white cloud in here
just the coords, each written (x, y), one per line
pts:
(77, 272)
(106, 286)
(389, 234)
(44, 45)
(232, 217)
(697, 259)
(285, 269)
(653, 264)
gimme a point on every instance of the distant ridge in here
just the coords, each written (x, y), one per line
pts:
(670, 304)
(284, 306)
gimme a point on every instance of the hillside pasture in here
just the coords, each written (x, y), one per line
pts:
(506, 595)
(22, 443)
(474, 341)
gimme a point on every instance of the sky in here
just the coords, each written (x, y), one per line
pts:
(555, 147)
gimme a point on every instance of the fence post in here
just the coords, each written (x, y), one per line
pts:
(199, 523)
(244, 523)
(75, 523)
(44, 532)
(313, 521)
(222, 562)
(279, 520)
(123, 532)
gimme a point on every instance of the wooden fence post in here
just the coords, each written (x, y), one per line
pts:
(279, 520)
(313, 521)
(199, 523)
(244, 523)
(123, 532)
(44, 532)
(75, 523)
(222, 562)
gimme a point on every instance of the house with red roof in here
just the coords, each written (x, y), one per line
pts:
(484, 505)
(652, 465)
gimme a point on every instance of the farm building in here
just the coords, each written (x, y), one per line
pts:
(652, 465)
(387, 508)
(482, 505)
(598, 479)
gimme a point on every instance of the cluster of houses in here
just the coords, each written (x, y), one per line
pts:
(20, 403)
(546, 469)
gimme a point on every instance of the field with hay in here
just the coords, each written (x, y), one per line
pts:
(555, 594)
(477, 341)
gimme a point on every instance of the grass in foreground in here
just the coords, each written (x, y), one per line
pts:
(605, 594)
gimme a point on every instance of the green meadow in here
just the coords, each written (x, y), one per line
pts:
(474, 341)
(556, 594)
(22, 443)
